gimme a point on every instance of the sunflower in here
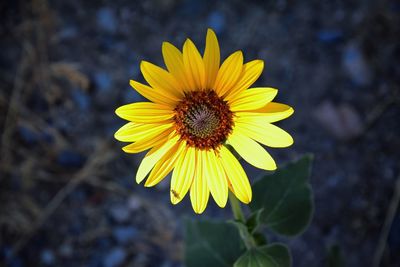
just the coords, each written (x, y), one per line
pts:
(198, 111)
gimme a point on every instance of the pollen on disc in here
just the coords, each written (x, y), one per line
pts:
(203, 119)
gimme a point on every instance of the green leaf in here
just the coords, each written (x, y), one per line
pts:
(244, 233)
(212, 244)
(274, 255)
(280, 253)
(254, 221)
(260, 239)
(285, 197)
(335, 258)
(255, 258)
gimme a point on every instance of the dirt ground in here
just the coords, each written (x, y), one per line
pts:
(68, 197)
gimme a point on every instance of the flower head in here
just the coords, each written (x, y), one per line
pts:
(197, 107)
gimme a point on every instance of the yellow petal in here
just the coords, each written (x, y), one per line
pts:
(229, 73)
(199, 192)
(156, 96)
(152, 157)
(145, 112)
(160, 79)
(216, 178)
(253, 98)
(250, 73)
(148, 142)
(267, 134)
(173, 59)
(251, 151)
(236, 176)
(132, 131)
(211, 58)
(165, 165)
(183, 174)
(194, 65)
(272, 112)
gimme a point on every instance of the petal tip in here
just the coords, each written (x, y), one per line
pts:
(149, 184)
(291, 111)
(198, 211)
(140, 177)
(173, 201)
(118, 137)
(118, 112)
(272, 167)
(165, 45)
(246, 200)
(261, 64)
(222, 204)
(210, 31)
(143, 64)
(291, 142)
(187, 42)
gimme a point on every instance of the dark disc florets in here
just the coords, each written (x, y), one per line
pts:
(203, 119)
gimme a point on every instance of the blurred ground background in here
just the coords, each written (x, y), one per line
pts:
(67, 194)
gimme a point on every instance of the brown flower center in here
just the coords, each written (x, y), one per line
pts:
(203, 119)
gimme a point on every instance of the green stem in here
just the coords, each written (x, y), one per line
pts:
(236, 208)
(247, 238)
(237, 211)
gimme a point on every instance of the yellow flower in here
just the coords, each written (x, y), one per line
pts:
(197, 108)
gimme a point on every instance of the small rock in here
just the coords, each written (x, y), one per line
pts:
(351, 120)
(95, 260)
(104, 243)
(15, 262)
(359, 204)
(120, 213)
(124, 234)
(68, 32)
(192, 7)
(103, 81)
(76, 228)
(394, 234)
(65, 250)
(31, 137)
(81, 99)
(28, 136)
(330, 36)
(10, 259)
(38, 103)
(141, 260)
(166, 264)
(134, 203)
(114, 258)
(6, 252)
(356, 66)
(46, 137)
(79, 196)
(71, 159)
(47, 257)
(106, 19)
(333, 181)
(343, 121)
